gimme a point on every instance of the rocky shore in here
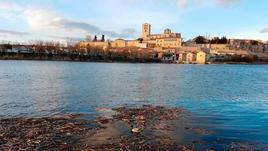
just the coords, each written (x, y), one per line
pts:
(126, 129)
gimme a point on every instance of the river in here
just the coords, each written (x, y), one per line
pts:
(231, 100)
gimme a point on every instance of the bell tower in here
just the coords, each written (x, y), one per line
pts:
(146, 30)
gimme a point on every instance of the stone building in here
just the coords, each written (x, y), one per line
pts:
(99, 44)
(190, 57)
(182, 57)
(121, 43)
(164, 40)
(201, 57)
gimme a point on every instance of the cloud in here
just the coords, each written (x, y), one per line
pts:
(182, 3)
(7, 33)
(264, 30)
(39, 19)
(76, 25)
(227, 3)
(15, 33)
(48, 20)
(65, 38)
(9, 5)
(221, 3)
(5, 4)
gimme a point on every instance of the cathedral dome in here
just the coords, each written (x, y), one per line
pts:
(167, 31)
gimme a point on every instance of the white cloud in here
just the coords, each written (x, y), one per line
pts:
(66, 24)
(47, 21)
(39, 19)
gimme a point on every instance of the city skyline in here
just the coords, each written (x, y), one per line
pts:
(23, 20)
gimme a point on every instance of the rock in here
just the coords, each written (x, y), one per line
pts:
(106, 112)
(135, 130)
(183, 148)
(125, 120)
(141, 117)
(123, 126)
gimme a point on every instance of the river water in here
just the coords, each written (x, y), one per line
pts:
(231, 100)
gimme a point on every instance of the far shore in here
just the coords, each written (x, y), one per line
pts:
(141, 62)
(115, 59)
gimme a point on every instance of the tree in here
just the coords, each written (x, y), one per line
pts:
(140, 40)
(229, 41)
(95, 38)
(88, 38)
(224, 40)
(200, 40)
(217, 40)
(254, 42)
(103, 38)
(70, 42)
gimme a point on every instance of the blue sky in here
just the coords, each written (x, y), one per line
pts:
(23, 20)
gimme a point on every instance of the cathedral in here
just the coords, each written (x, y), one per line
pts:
(164, 40)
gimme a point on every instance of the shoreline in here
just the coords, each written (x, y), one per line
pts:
(138, 62)
(107, 59)
(145, 128)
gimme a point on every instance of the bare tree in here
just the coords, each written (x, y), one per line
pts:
(88, 38)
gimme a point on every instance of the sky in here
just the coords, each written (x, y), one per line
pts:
(25, 20)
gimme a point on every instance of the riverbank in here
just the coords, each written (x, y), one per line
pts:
(74, 57)
(145, 128)
(99, 58)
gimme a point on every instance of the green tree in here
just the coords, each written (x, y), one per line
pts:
(95, 38)
(200, 40)
(103, 38)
